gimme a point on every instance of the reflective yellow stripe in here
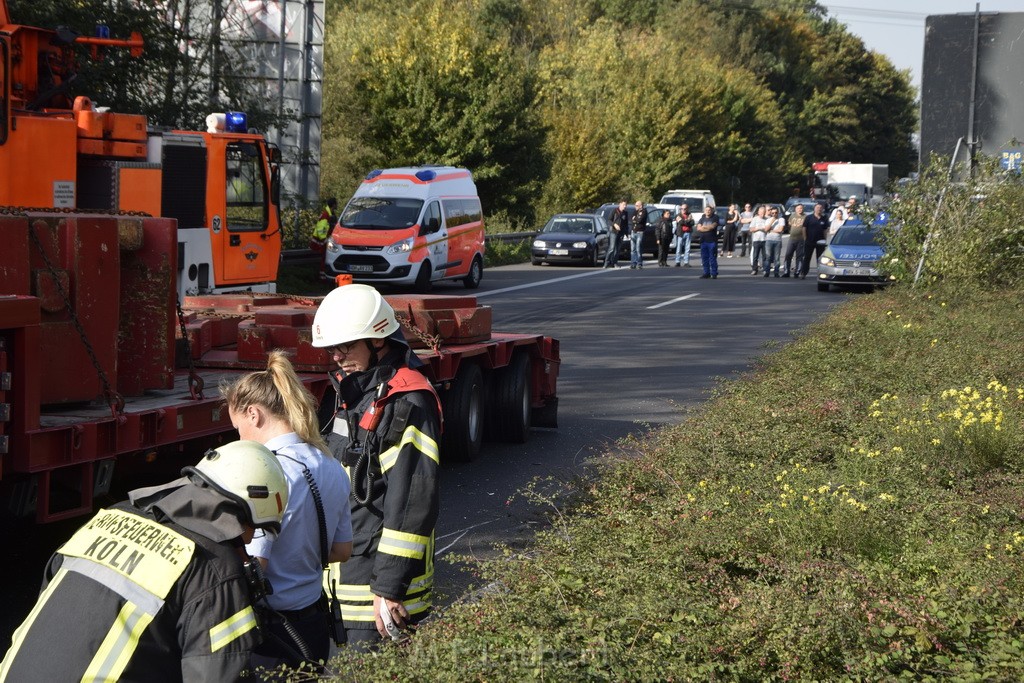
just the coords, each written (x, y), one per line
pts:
(231, 628)
(19, 634)
(117, 648)
(365, 613)
(352, 592)
(402, 544)
(357, 612)
(421, 582)
(423, 443)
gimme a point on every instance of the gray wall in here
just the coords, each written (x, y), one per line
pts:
(946, 82)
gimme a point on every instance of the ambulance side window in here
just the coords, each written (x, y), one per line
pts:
(431, 219)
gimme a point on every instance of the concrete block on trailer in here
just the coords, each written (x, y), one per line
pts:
(454, 319)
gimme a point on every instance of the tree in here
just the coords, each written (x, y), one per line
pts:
(451, 92)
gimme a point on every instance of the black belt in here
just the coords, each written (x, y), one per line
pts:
(293, 614)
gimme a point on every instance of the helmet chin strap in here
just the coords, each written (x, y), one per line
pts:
(373, 353)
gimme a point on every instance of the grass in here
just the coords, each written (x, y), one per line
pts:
(866, 524)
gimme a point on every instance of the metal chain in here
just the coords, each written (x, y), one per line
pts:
(114, 399)
(195, 382)
(431, 340)
(22, 210)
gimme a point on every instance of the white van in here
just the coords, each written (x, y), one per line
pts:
(696, 200)
(410, 226)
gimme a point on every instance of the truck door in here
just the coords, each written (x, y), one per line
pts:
(244, 249)
(5, 100)
(436, 232)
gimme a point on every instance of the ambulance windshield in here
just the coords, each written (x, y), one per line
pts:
(381, 213)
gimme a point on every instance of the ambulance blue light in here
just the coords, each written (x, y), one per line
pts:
(373, 174)
(426, 176)
(236, 122)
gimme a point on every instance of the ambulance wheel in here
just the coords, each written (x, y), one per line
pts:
(822, 286)
(423, 282)
(463, 404)
(476, 273)
(511, 397)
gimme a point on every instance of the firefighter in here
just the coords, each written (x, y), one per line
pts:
(322, 230)
(154, 588)
(385, 431)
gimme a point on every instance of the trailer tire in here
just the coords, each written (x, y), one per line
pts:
(463, 405)
(511, 408)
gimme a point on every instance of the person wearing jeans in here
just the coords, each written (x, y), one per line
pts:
(636, 236)
(773, 242)
(619, 228)
(758, 228)
(683, 233)
(707, 233)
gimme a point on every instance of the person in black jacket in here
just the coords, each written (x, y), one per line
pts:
(638, 223)
(155, 589)
(385, 431)
(619, 231)
(815, 229)
(663, 233)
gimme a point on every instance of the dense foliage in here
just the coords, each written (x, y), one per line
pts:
(966, 234)
(565, 105)
(184, 73)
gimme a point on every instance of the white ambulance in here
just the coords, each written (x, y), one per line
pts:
(410, 226)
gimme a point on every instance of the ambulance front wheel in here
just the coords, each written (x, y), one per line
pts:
(423, 278)
(476, 273)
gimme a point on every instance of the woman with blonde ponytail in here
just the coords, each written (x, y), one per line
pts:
(273, 407)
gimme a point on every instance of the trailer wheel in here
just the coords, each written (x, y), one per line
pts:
(423, 281)
(463, 406)
(476, 273)
(510, 409)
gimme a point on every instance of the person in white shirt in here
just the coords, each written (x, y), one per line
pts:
(274, 408)
(758, 231)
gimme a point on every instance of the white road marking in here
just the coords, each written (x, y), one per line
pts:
(666, 303)
(589, 273)
(462, 531)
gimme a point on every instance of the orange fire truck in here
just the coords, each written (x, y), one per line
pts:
(137, 272)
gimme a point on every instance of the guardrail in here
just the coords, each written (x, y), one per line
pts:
(310, 256)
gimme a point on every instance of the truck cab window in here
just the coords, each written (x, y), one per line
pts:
(431, 219)
(245, 191)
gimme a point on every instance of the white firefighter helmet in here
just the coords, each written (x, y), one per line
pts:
(248, 473)
(352, 312)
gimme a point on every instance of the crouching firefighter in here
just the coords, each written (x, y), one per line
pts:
(385, 430)
(157, 588)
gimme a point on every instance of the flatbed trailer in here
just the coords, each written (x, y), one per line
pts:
(106, 383)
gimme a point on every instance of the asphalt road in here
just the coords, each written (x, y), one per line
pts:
(638, 348)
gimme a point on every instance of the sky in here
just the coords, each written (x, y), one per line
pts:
(896, 27)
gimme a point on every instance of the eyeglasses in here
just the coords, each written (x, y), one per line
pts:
(343, 349)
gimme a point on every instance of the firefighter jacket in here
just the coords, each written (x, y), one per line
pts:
(140, 595)
(393, 466)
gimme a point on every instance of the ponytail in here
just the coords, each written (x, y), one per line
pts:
(278, 390)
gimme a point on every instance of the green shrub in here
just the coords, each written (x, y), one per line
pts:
(972, 229)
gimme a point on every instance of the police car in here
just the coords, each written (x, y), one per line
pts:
(853, 254)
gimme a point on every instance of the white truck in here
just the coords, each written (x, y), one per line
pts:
(865, 181)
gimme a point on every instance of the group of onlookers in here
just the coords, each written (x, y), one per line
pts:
(761, 229)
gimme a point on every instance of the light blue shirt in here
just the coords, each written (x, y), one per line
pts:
(293, 557)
